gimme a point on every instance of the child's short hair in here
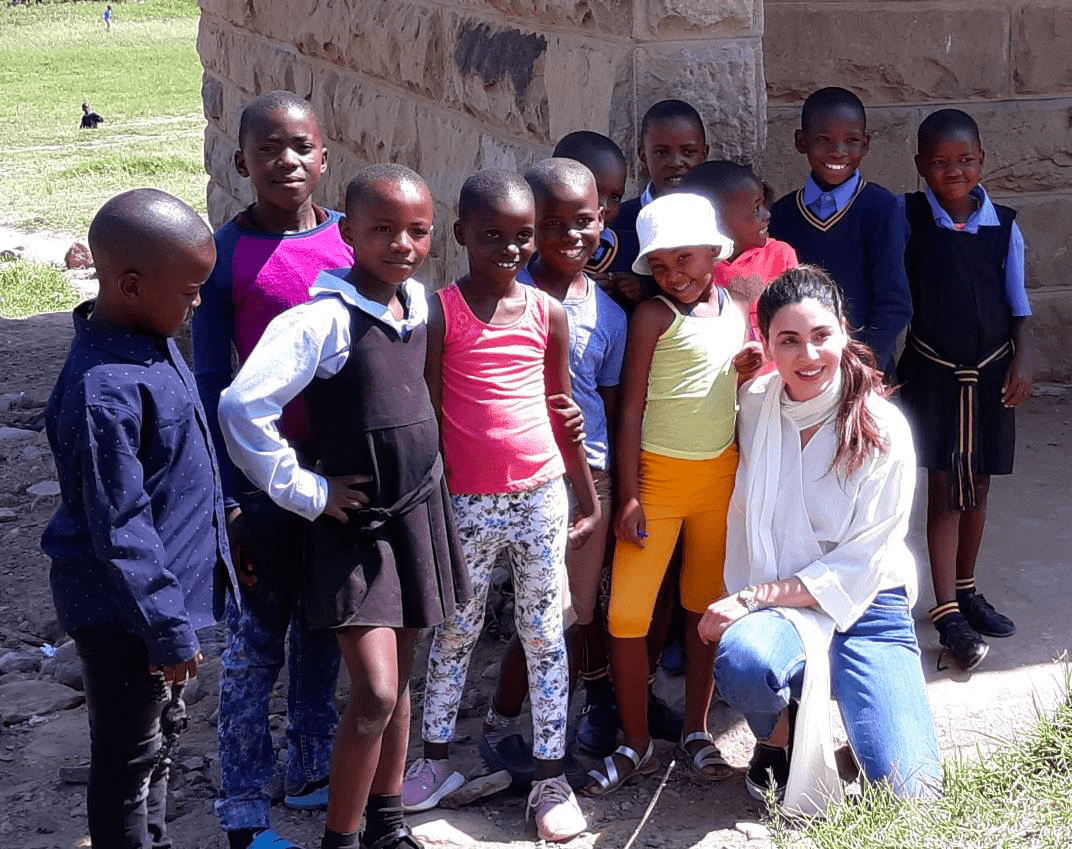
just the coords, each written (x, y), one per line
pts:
(665, 109)
(139, 221)
(558, 172)
(266, 104)
(718, 179)
(485, 187)
(944, 123)
(827, 100)
(360, 187)
(586, 146)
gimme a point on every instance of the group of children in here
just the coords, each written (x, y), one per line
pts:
(380, 447)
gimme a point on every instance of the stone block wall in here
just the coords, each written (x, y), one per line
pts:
(1008, 63)
(448, 88)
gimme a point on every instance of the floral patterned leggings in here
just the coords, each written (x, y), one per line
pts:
(531, 527)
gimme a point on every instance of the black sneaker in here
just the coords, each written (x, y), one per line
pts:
(769, 768)
(663, 723)
(962, 641)
(983, 618)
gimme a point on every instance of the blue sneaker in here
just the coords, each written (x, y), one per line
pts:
(597, 731)
(268, 839)
(673, 659)
(312, 797)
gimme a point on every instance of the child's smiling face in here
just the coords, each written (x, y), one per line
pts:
(745, 218)
(835, 143)
(390, 231)
(498, 237)
(568, 224)
(952, 166)
(284, 157)
(670, 147)
(685, 273)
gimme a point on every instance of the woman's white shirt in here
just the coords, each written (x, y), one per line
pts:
(859, 523)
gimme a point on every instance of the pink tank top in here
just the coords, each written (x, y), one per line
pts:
(497, 434)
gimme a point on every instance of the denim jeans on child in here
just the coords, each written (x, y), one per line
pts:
(257, 636)
(126, 799)
(876, 679)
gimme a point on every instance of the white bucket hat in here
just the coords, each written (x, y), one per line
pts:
(677, 221)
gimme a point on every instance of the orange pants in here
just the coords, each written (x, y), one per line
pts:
(676, 494)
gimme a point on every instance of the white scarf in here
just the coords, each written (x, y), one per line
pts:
(813, 777)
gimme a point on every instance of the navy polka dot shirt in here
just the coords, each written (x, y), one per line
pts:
(139, 539)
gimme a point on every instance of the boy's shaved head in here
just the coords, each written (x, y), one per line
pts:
(269, 103)
(557, 173)
(140, 225)
(827, 100)
(665, 109)
(588, 147)
(718, 179)
(361, 187)
(486, 187)
(944, 123)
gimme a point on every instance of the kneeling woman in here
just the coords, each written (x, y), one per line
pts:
(821, 582)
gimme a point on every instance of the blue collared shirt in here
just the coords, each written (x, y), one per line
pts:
(986, 216)
(139, 540)
(833, 201)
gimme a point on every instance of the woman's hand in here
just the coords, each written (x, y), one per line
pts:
(718, 617)
(631, 525)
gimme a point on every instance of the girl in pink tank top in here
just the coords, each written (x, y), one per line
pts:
(498, 358)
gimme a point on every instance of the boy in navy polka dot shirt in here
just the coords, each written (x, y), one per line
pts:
(138, 545)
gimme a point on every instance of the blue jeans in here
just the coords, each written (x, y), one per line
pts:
(256, 641)
(876, 680)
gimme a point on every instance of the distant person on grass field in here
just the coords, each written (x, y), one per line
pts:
(90, 119)
(108, 18)
(138, 546)
(269, 256)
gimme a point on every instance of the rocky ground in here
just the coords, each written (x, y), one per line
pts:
(43, 731)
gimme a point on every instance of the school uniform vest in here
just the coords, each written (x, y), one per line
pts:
(957, 281)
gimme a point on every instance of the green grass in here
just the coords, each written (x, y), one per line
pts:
(144, 77)
(1016, 797)
(28, 288)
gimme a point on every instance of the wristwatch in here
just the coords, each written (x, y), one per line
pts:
(747, 597)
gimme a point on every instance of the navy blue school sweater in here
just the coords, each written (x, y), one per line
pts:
(863, 248)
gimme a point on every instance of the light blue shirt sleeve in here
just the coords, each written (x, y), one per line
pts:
(1015, 276)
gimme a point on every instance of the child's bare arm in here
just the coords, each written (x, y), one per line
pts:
(1020, 377)
(557, 382)
(749, 360)
(650, 320)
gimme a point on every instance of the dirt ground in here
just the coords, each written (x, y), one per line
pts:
(1024, 569)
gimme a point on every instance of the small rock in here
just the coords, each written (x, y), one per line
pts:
(44, 489)
(78, 255)
(753, 830)
(65, 667)
(20, 661)
(10, 401)
(21, 700)
(8, 515)
(78, 774)
(478, 788)
(11, 432)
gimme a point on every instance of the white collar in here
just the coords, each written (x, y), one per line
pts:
(334, 283)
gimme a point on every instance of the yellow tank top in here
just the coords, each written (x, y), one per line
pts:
(692, 388)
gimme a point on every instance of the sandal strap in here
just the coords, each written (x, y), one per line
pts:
(609, 778)
(631, 754)
(707, 756)
(400, 838)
